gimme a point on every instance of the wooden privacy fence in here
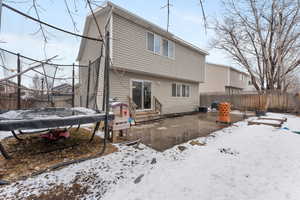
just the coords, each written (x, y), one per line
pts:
(10, 102)
(273, 101)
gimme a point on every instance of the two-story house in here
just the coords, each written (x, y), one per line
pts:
(148, 63)
(226, 79)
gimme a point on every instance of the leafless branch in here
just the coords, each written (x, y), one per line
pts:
(71, 15)
(263, 37)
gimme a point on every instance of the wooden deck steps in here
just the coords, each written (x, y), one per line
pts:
(145, 116)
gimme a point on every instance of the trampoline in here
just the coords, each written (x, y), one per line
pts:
(48, 118)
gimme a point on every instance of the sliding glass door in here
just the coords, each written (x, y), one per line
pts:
(141, 94)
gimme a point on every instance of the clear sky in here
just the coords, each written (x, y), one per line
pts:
(185, 22)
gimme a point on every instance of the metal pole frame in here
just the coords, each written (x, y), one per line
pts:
(106, 86)
(104, 89)
(73, 86)
(88, 85)
(42, 92)
(19, 83)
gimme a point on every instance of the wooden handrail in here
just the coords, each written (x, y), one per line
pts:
(157, 105)
(132, 107)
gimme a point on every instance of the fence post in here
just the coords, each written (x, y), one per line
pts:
(19, 83)
(88, 85)
(73, 87)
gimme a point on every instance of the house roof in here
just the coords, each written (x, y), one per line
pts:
(14, 84)
(138, 20)
(228, 67)
(64, 85)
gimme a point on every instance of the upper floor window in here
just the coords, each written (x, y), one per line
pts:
(242, 77)
(150, 41)
(171, 49)
(157, 44)
(168, 48)
(160, 45)
(165, 47)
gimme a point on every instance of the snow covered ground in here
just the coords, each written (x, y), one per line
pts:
(239, 162)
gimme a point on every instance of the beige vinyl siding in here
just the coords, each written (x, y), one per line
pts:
(161, 88)
(235, 80)
(216, 79)
(130, 52)
(92, 51)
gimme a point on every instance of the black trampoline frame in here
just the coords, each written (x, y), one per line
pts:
(32, 124)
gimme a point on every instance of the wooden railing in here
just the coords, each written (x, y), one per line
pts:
(157, 105)
(132, 107)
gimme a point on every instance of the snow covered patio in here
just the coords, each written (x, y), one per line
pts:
(238, 162)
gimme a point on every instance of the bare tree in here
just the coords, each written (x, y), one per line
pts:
(263, 37)
(293, 83)
(36, 84)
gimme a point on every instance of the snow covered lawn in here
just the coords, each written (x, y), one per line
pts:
(237, 163)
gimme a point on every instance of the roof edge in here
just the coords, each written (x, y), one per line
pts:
(228, 67)
(117, 10)
(154, 75)
(151, 24)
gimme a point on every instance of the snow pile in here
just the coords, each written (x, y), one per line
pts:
(45, 113)
(4, 134)
(84, 110)
(98, 173)
(256, 162)
(12, 114)
(239, 162)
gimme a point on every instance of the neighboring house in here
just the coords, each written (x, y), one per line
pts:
(148, 65)
(62, 95)
(8, 87)
(62, 89)
(11, 88)
(221, 78)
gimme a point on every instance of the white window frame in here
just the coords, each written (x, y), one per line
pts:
(172, 89)
(168, 42)
(180, 86)
(158, 38)
(142, 81)
(161, 45)
(171, 57)
(188, 88)
(147, 41)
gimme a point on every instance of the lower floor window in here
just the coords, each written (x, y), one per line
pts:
(173, 90)
(180, 90)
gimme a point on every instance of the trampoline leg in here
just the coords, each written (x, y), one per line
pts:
(77, 129)
(4, 153)
(15, 135)
(94, 132)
